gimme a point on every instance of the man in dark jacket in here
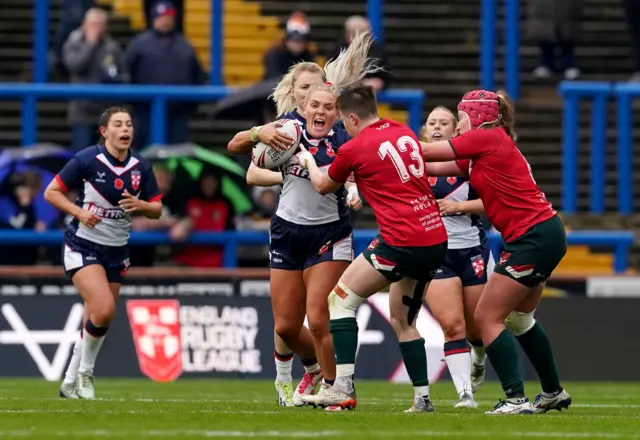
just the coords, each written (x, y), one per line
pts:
(162, 56)
(92, 57)
(292, 50)
(354, 25)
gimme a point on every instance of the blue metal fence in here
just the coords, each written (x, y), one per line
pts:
(488, 45)
(620, 241)
(599, 94)
(29, 94)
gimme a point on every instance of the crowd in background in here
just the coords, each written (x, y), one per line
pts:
(84, 52)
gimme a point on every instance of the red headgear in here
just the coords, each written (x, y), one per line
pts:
(482, 107)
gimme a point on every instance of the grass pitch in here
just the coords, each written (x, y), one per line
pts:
(196, 409)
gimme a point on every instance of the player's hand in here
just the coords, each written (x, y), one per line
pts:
(269, 134)
(89, 219)
(449, 207)
(304, 157)
(131, 203)
(353, 199)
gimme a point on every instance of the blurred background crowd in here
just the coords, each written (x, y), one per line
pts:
(432, 46)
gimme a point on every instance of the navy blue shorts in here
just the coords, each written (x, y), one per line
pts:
(78, 253)
(298, 247)
(472, 265)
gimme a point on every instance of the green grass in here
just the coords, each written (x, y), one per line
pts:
(190, 409)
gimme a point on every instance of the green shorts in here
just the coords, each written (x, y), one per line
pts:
(531, 258)
(396, 263)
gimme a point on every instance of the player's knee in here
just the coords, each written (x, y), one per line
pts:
(453, 328)
(287, 328)
(318, 324)
(103, 312)
(343, 302)
(520, 323)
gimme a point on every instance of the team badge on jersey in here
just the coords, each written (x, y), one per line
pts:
(155, 326)
(119, 184)
(135, 179)
(478, 265)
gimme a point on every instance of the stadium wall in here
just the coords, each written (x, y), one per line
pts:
(175, 322)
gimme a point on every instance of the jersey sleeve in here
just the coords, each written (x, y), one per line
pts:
(70, 176)
(341, 168)
(464, 165)
(474, 143)
(149, 188)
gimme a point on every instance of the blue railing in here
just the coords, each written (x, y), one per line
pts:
(620, 241)
(599, 93)
(29, 94)
(488, 45)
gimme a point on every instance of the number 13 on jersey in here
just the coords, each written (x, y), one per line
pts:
(416, 167)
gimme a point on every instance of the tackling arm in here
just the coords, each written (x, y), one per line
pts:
(437, 151)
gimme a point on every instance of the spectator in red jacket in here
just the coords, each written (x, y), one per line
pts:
(210, 211)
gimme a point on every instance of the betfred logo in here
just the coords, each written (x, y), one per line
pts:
(155, 325)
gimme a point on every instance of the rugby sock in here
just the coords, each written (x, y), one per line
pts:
(72, 370)
(479, 353)
(344, 333)
(311, 365)
(93, 337)
(504, 357)
(536, 345)
(414, 356)
(284, 365)
(456, 354)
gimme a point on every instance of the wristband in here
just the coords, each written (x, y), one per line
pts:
(254, 133)
(352, 191)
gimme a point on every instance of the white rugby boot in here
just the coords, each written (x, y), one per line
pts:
(85, 388)
(306, 387)
(68, 391)
(285, 393)
(466, 401)
(342, 394)
(542, 404)
(515, 405)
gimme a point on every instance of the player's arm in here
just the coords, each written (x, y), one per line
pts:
(443, 169)
(260, 177)
(243, 142)
(450, 207)
(320, 181)
(437, 151)
(55, 195)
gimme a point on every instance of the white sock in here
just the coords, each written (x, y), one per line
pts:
(312, 368)
(283, 368)
(345, 370)
(421, 391)
(479, 355)
(72, 370)
(90, 348)
(458, 358)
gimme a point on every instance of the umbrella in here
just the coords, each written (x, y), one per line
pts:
(188, 160)
(245, 104)
(44, 159)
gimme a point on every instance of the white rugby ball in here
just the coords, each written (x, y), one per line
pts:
(264, 156)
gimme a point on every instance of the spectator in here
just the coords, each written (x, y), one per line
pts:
(72, 13)
(18, 212)
(179, 11)
(354, 25)
(555, 25)
(266, 199)
(174, 218)
(210, 211)
(92, 57)
(162, 56)
(293, 49)
(632, 11)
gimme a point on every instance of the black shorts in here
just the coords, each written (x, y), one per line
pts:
(78, 253)
(298, 247)
(531, 258)
(396, 263)
(472, 265)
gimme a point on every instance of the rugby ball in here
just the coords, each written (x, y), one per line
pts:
(264, 156)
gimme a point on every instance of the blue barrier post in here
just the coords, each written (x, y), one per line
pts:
(488, 12)
(29, 120)
(40, 40)
(512, 47)
(413, 99)
(625, 94)
(158, 120)
(598, 153)
(217, 43)
(620, 241)
(375, 16)
(572, 92)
